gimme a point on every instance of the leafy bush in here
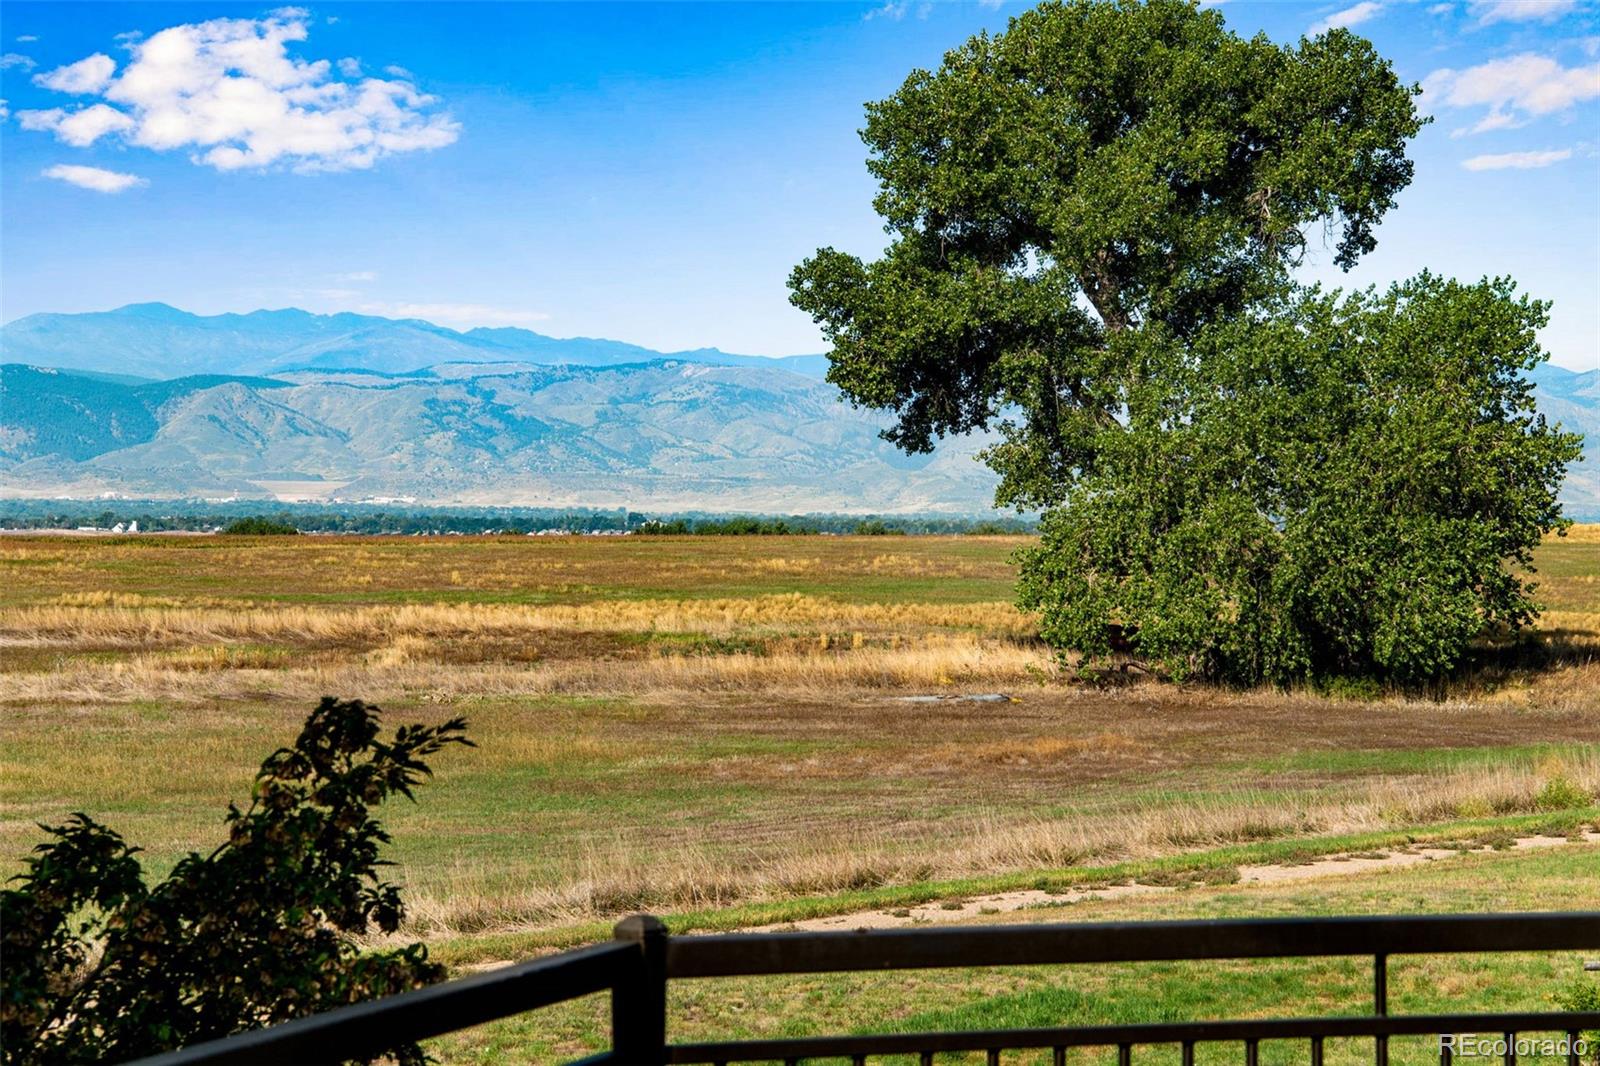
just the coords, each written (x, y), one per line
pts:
(102, 966)
(1561, 793)
(259, 526)
(1583, 994)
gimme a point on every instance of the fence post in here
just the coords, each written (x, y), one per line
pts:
(639, 998)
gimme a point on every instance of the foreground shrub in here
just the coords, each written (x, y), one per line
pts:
(101, 966)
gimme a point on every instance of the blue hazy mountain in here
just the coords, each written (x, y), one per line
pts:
(155, 340)
(664, 434)
(1573, 399)
(150, 400)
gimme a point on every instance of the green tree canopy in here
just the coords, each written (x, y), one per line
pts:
(1333, 486)
(1094, 220)
(1097, 168)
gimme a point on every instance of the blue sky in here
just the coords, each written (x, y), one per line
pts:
(648, 172)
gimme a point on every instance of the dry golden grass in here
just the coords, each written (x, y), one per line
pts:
(683, 722)
(106, 619)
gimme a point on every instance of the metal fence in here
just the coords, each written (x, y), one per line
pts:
(637, 965)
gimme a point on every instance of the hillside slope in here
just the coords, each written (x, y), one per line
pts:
(663, 434)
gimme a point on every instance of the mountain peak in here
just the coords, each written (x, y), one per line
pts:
(154, 309)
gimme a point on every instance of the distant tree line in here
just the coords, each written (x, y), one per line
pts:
(258, 526)
(248, 517)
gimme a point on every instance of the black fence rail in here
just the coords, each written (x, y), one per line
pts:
(637, 966)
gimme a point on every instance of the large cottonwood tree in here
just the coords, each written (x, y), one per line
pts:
(1094, 221)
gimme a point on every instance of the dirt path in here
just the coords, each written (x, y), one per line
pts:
(956, 910)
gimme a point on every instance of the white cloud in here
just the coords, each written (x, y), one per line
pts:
(1512, 89)
(87, 75)
(41, 120)
(16, 59)
(93, 178)
(350, 67)
(230, 91)
(455, 314)
(5, 111)
(356, 275)
(27, 38)
(1516, 160)
(896, 10)
(395, 70)
(1441, 9)
(79, 128)
(1354, 15)
(1491, 11)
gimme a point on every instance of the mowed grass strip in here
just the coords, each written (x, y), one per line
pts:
(744, 1008)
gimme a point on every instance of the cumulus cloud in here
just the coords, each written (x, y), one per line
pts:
(350, 67)
(1354, 15)
(230, 91)
(16, 59)
(455, 314)
(93, 178)
(5, 110)
(87, 75)
(1516, 160)
(1512, 89)
(79, 128)
(1491, 11)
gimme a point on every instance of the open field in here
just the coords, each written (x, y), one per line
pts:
(741, 731)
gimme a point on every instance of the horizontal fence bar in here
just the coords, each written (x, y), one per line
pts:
(362, 1030)
(744, 954)
(1184, 1033)
(367, 1029)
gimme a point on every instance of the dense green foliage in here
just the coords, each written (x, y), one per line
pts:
(101, 966)
(259, 526)
(1095, 217)
(1136, 159)
(1332, 487)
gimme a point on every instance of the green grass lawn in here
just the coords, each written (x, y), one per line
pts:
(748, 1008)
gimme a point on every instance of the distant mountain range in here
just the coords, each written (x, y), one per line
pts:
(149, 401)
(158, 341)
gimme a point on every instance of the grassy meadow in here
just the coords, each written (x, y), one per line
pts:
(740, 731)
